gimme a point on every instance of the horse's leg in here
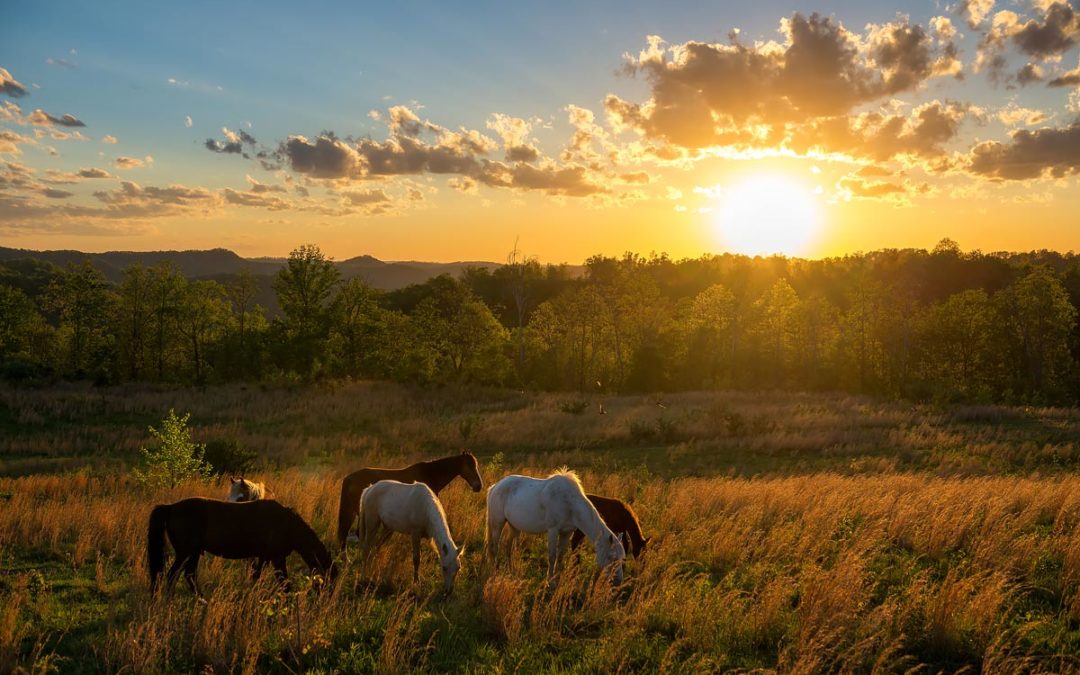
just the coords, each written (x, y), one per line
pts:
(282, 572)
(564, 540)
(191, 569)
(416, 558)
(257, 568)
(511, 537)
(495, 528)
(553, 552)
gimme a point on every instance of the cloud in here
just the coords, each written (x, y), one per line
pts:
(54, 193)
(1057, 33)
(172, 81)
(366, 197)
(131, 194)
(187, 121)
(880, 137)
(864, 189)
(41, 118)
(63, 63)
(94, 173)
(257, 199)
(10, 141)
(132, 162)
(109, 139)
(1067, 79)
(1028, 74)
(514, 133)
(707, 94)
(1029, 154)
(975, 11)
(10, 86)
(1013, 115)
(228, 148)
(233, 144)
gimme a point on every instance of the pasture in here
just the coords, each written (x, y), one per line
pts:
(791, 532)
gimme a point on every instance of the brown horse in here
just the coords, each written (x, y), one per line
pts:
(436, 474)
(263, 529)
(621, 520)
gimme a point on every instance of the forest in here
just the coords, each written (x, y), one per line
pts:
(941, 326)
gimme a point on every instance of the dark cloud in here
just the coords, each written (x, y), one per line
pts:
(93, 173)
(228, 147)
(522, 153)
(1029, 154)
(54, 193)
(253, 198)
(1069, 79)
(42, 118)
(131, 194)
(327, 157)
(10, 86)
(1028, 74)
(1058, 32)
(131, 162)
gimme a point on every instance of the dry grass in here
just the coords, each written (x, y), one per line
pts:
(805, 574)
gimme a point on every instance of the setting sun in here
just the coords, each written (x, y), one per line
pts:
(768, 214)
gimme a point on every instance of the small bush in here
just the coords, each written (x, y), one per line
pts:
(575, 406)
(175, 459)
(227, 457)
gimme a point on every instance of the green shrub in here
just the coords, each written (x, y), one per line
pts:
(575, 406)
(176, 457)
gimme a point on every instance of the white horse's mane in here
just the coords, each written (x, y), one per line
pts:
(568, 473)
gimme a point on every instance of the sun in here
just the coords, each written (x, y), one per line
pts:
(767, 214)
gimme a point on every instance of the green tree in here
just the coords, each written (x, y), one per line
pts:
(305, 288)
(134, 312)
(956, 338)
(1039, 320)
(203, 317)
(80, 297)
(166, 287)
(175, 457)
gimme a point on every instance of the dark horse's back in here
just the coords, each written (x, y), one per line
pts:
(620, 519)
(261, 529)
(351, 488)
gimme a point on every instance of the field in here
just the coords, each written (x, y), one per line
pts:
(791, 532)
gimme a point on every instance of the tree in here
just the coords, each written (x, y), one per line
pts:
(956, 339)
(305, 288)
(166, 286)
(202, 317)
(1039, 319)
(707, 338)
(19, 322)
(241, 293)
(134, 313)
(80, 297)
(175, 458)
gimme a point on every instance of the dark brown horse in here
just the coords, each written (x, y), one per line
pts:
(263, 529)
(621, 520)
(436, 474)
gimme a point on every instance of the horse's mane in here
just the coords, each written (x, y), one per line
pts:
(571, 474)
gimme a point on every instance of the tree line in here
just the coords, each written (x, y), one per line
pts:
(940, 325)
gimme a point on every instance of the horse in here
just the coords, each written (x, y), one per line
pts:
(412, 509)
(244, 490)
(263, 529)
(556, 505)
(621, 520)
(436, 474)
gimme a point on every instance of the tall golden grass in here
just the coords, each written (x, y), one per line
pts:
(803, 574)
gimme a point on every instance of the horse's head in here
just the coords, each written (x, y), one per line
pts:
(242, 490)
(610, 555)
(470, 471)
(450, 560)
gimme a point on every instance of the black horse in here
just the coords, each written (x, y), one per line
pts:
(264, 530)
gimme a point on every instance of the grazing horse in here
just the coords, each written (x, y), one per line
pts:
(412, 509)
(436, 474)
(244, 490)
(263, 529)
(621, 520)
(556, 505)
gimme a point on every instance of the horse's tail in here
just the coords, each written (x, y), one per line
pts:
(347, 510)
(155, 542)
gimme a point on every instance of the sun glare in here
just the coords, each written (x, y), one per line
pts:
(767, 214)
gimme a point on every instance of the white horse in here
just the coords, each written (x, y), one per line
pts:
(412, 509)
(556, 505)
(244, 490)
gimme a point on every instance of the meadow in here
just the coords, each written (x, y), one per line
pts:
(792, 532)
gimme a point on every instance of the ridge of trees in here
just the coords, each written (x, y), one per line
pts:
(925, 325)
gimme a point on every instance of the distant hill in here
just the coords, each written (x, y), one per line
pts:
(222, 263)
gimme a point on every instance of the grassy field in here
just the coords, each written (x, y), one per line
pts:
(792, 532)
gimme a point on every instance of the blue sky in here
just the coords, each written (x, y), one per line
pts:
(136, 71)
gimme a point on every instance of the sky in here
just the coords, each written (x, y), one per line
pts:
(424, 131)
